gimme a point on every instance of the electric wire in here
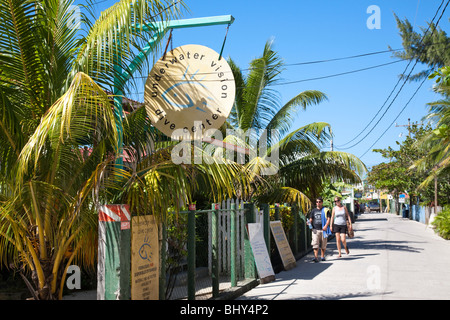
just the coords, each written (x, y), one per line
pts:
(379, 110)
(401, 111)
(338, 74)
(345, 73)
(341, 147)
(393, 121)
(315, 62)
(302, 80)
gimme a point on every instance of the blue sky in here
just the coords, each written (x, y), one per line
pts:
(305, 31)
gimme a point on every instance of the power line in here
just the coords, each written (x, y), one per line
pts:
(318, 61)
(304, 80)
(342, 58)
(338, 74)
(379, 110)
(392, 91)
(398, 115)
(407, 79)
(387, 109)
(295, 81)
(317, 78)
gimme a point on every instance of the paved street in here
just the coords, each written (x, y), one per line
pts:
(390, 258)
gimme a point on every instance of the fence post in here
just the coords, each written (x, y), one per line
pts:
(163, 259)
(305, 231)
(191, 252)
(215, 249)
(266, 224)
(295, 213)
(233, 245)
(277, 212)
(250, 267)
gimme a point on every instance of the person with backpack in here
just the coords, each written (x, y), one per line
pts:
(319, 221)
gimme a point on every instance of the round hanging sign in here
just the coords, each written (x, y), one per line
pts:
(189, 90)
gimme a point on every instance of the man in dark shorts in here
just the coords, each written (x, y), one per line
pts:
(319, 219)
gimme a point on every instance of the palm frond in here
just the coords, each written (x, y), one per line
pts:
(261, 102)
(303, 141)
(116, 34)
(309, 172)
(284, 118)
(289, 195)
(82, 114)
(240, 82)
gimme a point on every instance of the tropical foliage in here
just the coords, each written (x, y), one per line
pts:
(442, 223)
(436, 161)
(429, 47)
(52, 106)
(285, 215)
(59, 144)
(302, 166)
(398, 174)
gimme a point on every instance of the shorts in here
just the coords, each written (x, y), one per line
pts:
(337, 228)
(318, 241)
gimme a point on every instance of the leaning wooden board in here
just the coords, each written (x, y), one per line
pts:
(283, 245)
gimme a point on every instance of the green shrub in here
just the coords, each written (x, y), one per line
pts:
(442, 223)
(286, 217)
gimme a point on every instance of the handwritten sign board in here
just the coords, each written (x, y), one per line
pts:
(144, 258)
(283, 245)
(259, 248)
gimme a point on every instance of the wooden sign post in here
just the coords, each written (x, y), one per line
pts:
(283, 245)
(144, 258)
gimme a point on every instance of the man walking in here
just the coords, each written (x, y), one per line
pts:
(319, 219)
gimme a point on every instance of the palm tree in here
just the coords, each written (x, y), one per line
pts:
(53, 103)
(302, 166)
(52, 106)
(436, 144)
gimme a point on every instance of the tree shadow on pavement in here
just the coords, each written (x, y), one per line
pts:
(340, 296)
(407, 246)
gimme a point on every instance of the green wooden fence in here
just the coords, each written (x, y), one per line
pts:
(211, 237)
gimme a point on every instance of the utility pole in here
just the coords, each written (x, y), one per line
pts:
(408, 125)
(331, 140)
(409, 135)
(435, 195)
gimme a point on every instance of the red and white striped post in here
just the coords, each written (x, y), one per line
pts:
(114, 253)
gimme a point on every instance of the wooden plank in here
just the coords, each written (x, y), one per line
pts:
(284, 249)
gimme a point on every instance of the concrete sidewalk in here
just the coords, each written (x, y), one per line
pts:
(390, 258)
